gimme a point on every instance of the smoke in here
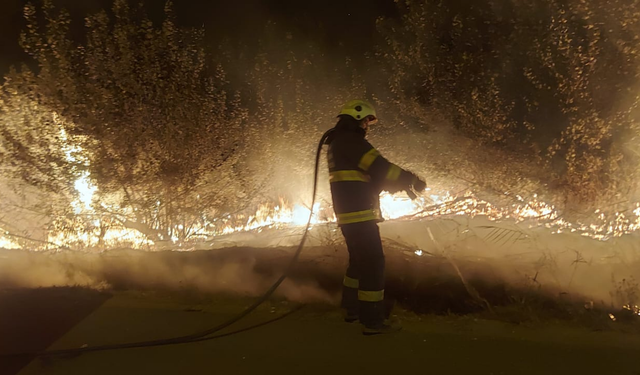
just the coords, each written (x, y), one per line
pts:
(233, 271)
(510, 259)
(435, 265)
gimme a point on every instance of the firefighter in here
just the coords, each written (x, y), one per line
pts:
(357, 174)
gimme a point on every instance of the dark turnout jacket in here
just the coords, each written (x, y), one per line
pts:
(358, 173)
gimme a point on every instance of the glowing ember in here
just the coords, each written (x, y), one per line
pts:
(6, 243)
(634, 309)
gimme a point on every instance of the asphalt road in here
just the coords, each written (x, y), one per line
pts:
(312, 340)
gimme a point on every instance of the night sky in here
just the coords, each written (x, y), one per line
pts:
(334, 25)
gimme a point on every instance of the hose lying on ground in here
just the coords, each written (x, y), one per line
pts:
(204, 335)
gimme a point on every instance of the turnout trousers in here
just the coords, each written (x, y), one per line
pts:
(363, 286)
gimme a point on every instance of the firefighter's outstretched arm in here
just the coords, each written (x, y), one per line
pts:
(387, 175)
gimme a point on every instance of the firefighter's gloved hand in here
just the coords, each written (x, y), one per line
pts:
(417, 184)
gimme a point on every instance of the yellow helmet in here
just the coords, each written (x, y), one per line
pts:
(358, 109)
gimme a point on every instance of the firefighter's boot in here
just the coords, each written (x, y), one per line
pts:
(383, 328)
(350, 302)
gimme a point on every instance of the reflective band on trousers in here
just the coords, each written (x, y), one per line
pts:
(368, 159)
(351, 283)
(371, 296)
(357, 217)
(338, 176)
(394, 173)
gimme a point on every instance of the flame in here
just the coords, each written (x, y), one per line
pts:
(397, 205)
(269, 216)
(7, 243)
(83, 232)
(533, 212)
(85, 191)
(74, 154)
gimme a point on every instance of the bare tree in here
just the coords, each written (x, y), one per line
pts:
(554, 81)
(149, 115)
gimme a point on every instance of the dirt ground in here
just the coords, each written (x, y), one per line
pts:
(312, 340)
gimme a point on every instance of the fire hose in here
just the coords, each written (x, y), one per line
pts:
(206, 334)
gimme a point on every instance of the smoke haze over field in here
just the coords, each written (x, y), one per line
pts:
(434, 273)
(235, 271)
